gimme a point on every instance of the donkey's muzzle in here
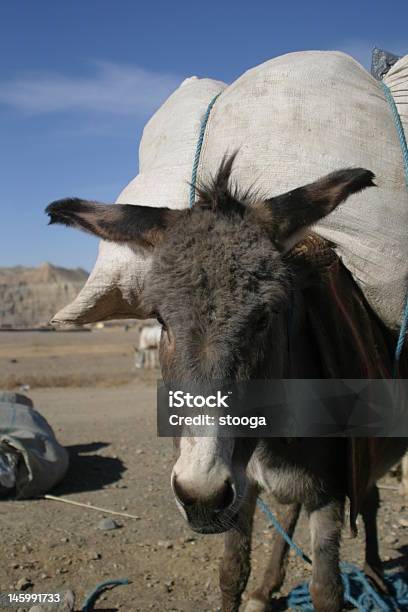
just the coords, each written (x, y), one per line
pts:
(207, 514)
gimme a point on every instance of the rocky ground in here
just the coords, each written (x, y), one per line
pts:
(118, 463)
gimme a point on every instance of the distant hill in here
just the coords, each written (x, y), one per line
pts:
(29, 297)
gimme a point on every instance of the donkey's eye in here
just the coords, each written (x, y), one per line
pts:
(159, 320)
(262, 321)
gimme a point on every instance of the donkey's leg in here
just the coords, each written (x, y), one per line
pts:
(326, 587)
(373, 564)
(276, 569)
(235, 564)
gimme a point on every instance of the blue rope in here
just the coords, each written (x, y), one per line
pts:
(199, 145)
(98, 590)
(404, 149)
(358, 590)
(354, 585)
(270, 515)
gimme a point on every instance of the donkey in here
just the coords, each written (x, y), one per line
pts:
(225, 278)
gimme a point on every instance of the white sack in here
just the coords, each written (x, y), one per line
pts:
(166, 155)
(293, 119)
(25, 435)
(302, 115)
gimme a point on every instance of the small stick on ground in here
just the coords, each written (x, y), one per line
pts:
(89, 507)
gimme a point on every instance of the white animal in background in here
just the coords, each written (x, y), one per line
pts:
(149, 337)
(146, 354)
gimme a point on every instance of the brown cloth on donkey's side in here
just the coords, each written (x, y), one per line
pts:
(364, 347)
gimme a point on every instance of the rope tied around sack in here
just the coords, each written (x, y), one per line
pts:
(404, 149)
(199, 146)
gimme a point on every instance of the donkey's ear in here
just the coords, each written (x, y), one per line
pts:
(292, 213)
(144, 225)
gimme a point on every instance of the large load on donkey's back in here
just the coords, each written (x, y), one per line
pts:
(292, 120)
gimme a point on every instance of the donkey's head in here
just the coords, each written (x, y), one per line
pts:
(219, 285)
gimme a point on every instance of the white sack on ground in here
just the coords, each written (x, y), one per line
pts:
(25, 435)
(293, 119)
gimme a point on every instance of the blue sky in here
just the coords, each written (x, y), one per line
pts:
(79, 78)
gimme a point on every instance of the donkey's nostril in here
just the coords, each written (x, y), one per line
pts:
(181, 495)
(225, 498)
(216, 501)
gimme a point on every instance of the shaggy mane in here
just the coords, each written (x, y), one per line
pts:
(221, 194)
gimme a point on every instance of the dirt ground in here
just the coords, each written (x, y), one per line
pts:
(117, 462)
(67, 359)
